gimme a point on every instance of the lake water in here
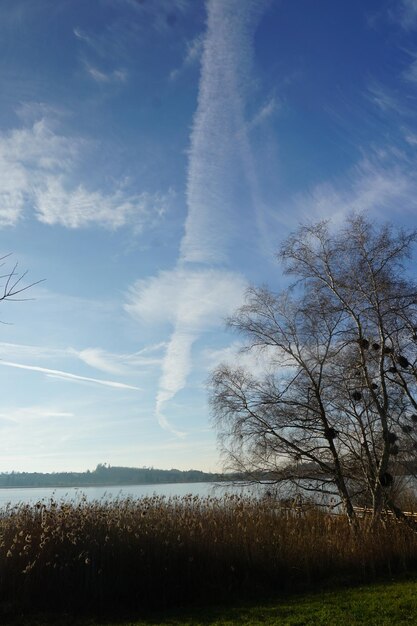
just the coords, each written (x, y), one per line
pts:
(35, 494)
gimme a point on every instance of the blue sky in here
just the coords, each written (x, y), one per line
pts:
(153, 154)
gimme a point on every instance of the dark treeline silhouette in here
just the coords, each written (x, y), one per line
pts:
(106, 475)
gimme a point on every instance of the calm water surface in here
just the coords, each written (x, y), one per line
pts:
(32, 495)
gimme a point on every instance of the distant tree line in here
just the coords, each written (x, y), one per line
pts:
(105, 475)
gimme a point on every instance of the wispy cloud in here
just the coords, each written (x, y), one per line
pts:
(80, 208)
(410, 137)
(257, 362)
(193, 301)
(12, 351)
(131, 25)
(216, 150)
(405, 12)
(192, 55)
(26, 156)
(81, 35)
(23, 415)
(175, 370)
(380, 186)
(101, 360)
(121, 364)
(38, 169)
(96, 358)
(265, 112)
(410, 73)
(115, 76)
(193, 297)
(68, 376)
(385, 100)
(95, 43)
(199, 298)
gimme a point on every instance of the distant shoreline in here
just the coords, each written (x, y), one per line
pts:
(107, 476)
(80, 486)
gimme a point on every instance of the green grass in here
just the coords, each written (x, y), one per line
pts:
(374, 605)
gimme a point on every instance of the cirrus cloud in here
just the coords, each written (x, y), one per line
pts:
(193, 301)
(38, 176)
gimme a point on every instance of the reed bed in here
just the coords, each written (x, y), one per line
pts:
(158, 552)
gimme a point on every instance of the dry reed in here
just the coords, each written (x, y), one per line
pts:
(156, 551)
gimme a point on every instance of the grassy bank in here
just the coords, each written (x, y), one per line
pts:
(156, 553)
(374, 605)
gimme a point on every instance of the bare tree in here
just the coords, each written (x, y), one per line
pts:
(336, 410)
(13, 284)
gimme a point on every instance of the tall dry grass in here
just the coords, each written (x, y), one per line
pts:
(157, 551)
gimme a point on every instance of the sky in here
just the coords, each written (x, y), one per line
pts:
(153, 155)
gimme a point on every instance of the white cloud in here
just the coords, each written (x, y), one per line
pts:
(257, 362)
(215, 159)
(197, 299)
(406, 14)
(12, 194)
(193, 301)
(384, 99)
(26, 156)
(13, 351)
(266, 111)
(101, 360)
(410, 138)
(410, 74)
(116, 76)
(120, 364)
(41, 147)
(23, 415)
(156, 347)
(373, 186)
(33, 112)
(79, 208)
(176, 367)
(68, 376)
(83, 36)
(192, 55)
(96, 358)
(37, 169)
(101, 44)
